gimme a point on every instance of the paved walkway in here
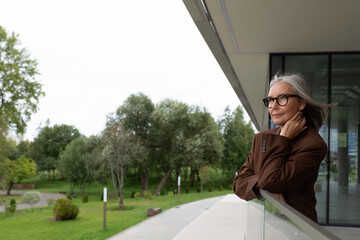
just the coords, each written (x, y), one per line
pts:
(197, 220)
(41, 203)
(216, 218)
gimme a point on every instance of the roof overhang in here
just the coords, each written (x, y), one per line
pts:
(241, 34)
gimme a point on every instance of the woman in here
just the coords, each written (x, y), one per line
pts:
(285, 160)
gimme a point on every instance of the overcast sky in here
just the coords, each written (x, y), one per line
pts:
(93, 54)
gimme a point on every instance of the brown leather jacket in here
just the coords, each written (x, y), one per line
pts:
(281, 165)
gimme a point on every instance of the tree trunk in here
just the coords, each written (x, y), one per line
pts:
(163, 180)
(121, 188)
(9, 188)
(144, 182)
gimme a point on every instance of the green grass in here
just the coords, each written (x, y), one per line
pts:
(25, 224)
(89, 224)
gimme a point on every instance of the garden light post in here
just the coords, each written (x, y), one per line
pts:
(105, 199)
(178, 188)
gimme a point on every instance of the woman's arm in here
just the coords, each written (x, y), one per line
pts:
(280, 172)
(245, 181)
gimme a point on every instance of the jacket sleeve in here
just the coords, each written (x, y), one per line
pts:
(282, 172)
(245, 181)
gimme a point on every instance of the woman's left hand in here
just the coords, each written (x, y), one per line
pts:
(294, 126)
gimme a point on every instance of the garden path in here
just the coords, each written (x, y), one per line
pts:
(41, 203)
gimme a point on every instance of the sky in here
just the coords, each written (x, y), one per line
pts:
(93, 54)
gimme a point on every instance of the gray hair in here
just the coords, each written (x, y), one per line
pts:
(314, 112)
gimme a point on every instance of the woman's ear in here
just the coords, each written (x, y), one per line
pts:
(302, 105)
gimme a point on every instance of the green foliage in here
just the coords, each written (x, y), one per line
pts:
(238, 137)
(198, 189)
(187, 190)
(49, 143)
(133, 194)
(170, 194)
(221, 188)
(230, 187)
(50, 201)
(65, 210)
(31, 198)
(11, 207)
(137, 195)
(148, 195)
(19, 169)
(85, 199)
(68, 196)
(211, 188)
(19, 92)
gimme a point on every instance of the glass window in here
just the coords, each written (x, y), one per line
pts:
(344, 143)
(314, 69)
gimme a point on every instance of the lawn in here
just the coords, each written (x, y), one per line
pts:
(25, 224)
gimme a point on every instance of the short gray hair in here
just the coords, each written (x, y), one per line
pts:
(314, 112)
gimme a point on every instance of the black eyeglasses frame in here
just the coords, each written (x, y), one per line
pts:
(267, 100)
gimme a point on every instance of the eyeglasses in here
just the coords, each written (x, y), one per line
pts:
(281, 100)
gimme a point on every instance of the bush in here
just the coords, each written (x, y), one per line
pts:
(148, 195)
(221, 188)
(162, 192)
(170, 194)
(69, 197)
(210, 189)
(198, 189)
(136, 195)
(31, 198)
(50, 201)
(133, 194)
(230, 187)
(11, 207)
(85, 199)
(186, 190)
(65, 210)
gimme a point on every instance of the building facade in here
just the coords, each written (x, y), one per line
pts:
(253, 40)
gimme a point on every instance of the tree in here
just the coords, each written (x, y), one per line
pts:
(31, 198)
(19, 92)
(19, 169)
(204, 174)
(81, 162)
(121, 146)
(238, 137)
(169, 121)
(46, 147)
(135, 115)
(72, 165)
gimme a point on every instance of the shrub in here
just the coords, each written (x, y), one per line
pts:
(133, 194)
(198, 189)
(210, 188)
(148, 195)
(69, 197)
(221, 188)
(31, 198)
(187, 190)
(136, 195)
(230, 187)
(11, 207)
(170, 194)
(65, 210)
(162, 192)
(50, 201)
(85, 199)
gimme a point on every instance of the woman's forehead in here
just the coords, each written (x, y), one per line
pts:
(280, 88)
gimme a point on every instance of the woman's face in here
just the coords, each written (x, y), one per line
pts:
(281, 114)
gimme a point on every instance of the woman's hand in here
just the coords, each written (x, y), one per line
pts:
(294, 126)
(279, 196)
